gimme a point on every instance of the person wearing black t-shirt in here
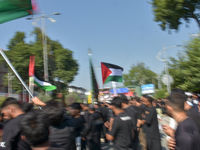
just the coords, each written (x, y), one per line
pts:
(151, 125)
(35, 131)
(133, 114)
(186, 136)
(193, 114)
(92, 130)
(121, 132)
(62, 128)
(12, 136)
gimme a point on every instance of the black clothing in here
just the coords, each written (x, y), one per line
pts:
(151, 129)
(65, 133)
(141, 111)
(55, 147)
(195, 116)
(187, 136)
(195, 103)
(86, 116)
(92, 131)
(121, 131)
(111, 115)
(133, 114)
(104, 113)
(11, 139)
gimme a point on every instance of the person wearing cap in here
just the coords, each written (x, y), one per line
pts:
(92, 130)
(120, 133)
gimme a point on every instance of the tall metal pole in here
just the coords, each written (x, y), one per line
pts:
(167, 72)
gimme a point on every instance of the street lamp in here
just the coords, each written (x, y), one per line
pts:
(43, 27)
(164, 53)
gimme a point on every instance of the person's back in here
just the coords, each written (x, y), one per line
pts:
(195, 116)
(187, 136)
(122, 126)
(11, 138)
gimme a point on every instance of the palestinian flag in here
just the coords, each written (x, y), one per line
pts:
(14, 9)
(42, 84)
(111, 72)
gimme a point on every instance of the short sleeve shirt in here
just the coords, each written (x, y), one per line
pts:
(121, 131)
(187, 136)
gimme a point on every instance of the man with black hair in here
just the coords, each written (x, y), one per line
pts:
(151, 125)
(92, 130)
(121, 129)
(26, 107)
(133, 114)
(35, 131)
(186, 136)
(11, 139)
(62, 128)
(195, 102)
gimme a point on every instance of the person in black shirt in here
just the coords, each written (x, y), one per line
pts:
(62, 128)
(121, 132)
(151, 125)
(193, 114)
(35, 131)
(12, 136)
(133, 114)
(186, 136)
(92, 130)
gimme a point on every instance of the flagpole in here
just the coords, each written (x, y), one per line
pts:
(90, 54)
(114, 88)
(15, 72)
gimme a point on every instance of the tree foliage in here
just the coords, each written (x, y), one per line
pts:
(185, 69)
(171, 13)
(161, 93)
(139, 73)
(60, 60)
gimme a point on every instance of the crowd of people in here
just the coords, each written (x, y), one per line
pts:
(127, 124)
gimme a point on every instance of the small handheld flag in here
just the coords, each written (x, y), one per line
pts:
(111, 72)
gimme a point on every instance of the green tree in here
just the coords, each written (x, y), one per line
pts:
(185, 69)
(171, 13)
(61, 62)
(139, 73)
(161, 93)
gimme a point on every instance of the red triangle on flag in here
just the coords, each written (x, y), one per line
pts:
(105, 72)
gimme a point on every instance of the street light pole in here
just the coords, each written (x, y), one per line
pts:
(44, 38)
(158, 56)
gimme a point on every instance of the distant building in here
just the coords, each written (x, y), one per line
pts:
(3, 71)
(78, 90)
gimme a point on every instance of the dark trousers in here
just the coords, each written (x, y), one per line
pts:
(135, 142)
(103, 132)
(93, 141)
(153, 144)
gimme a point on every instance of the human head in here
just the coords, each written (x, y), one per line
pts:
(26, 107)
(91, 108)
(55, 111)
(176, 102)
(116, 104)
(84, 106)
(10, 108)
(194, 96)
(154, 103)
(35, 127)
(188, 105)
(147, 101)
(137, 101)
(124, 100)
(75, 109)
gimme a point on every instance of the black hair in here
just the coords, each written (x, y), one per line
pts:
(55, 110)
(123, 98)
(76, 106)
(150, 99)
(117, 102)
(26, 107)
(177, 90)
(177, 100)
(35, 127)
(138, 99)
(86, 105)
(9, 101)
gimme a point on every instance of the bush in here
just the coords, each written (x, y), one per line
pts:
(161, 94)
(2, 99)
(71, 98)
